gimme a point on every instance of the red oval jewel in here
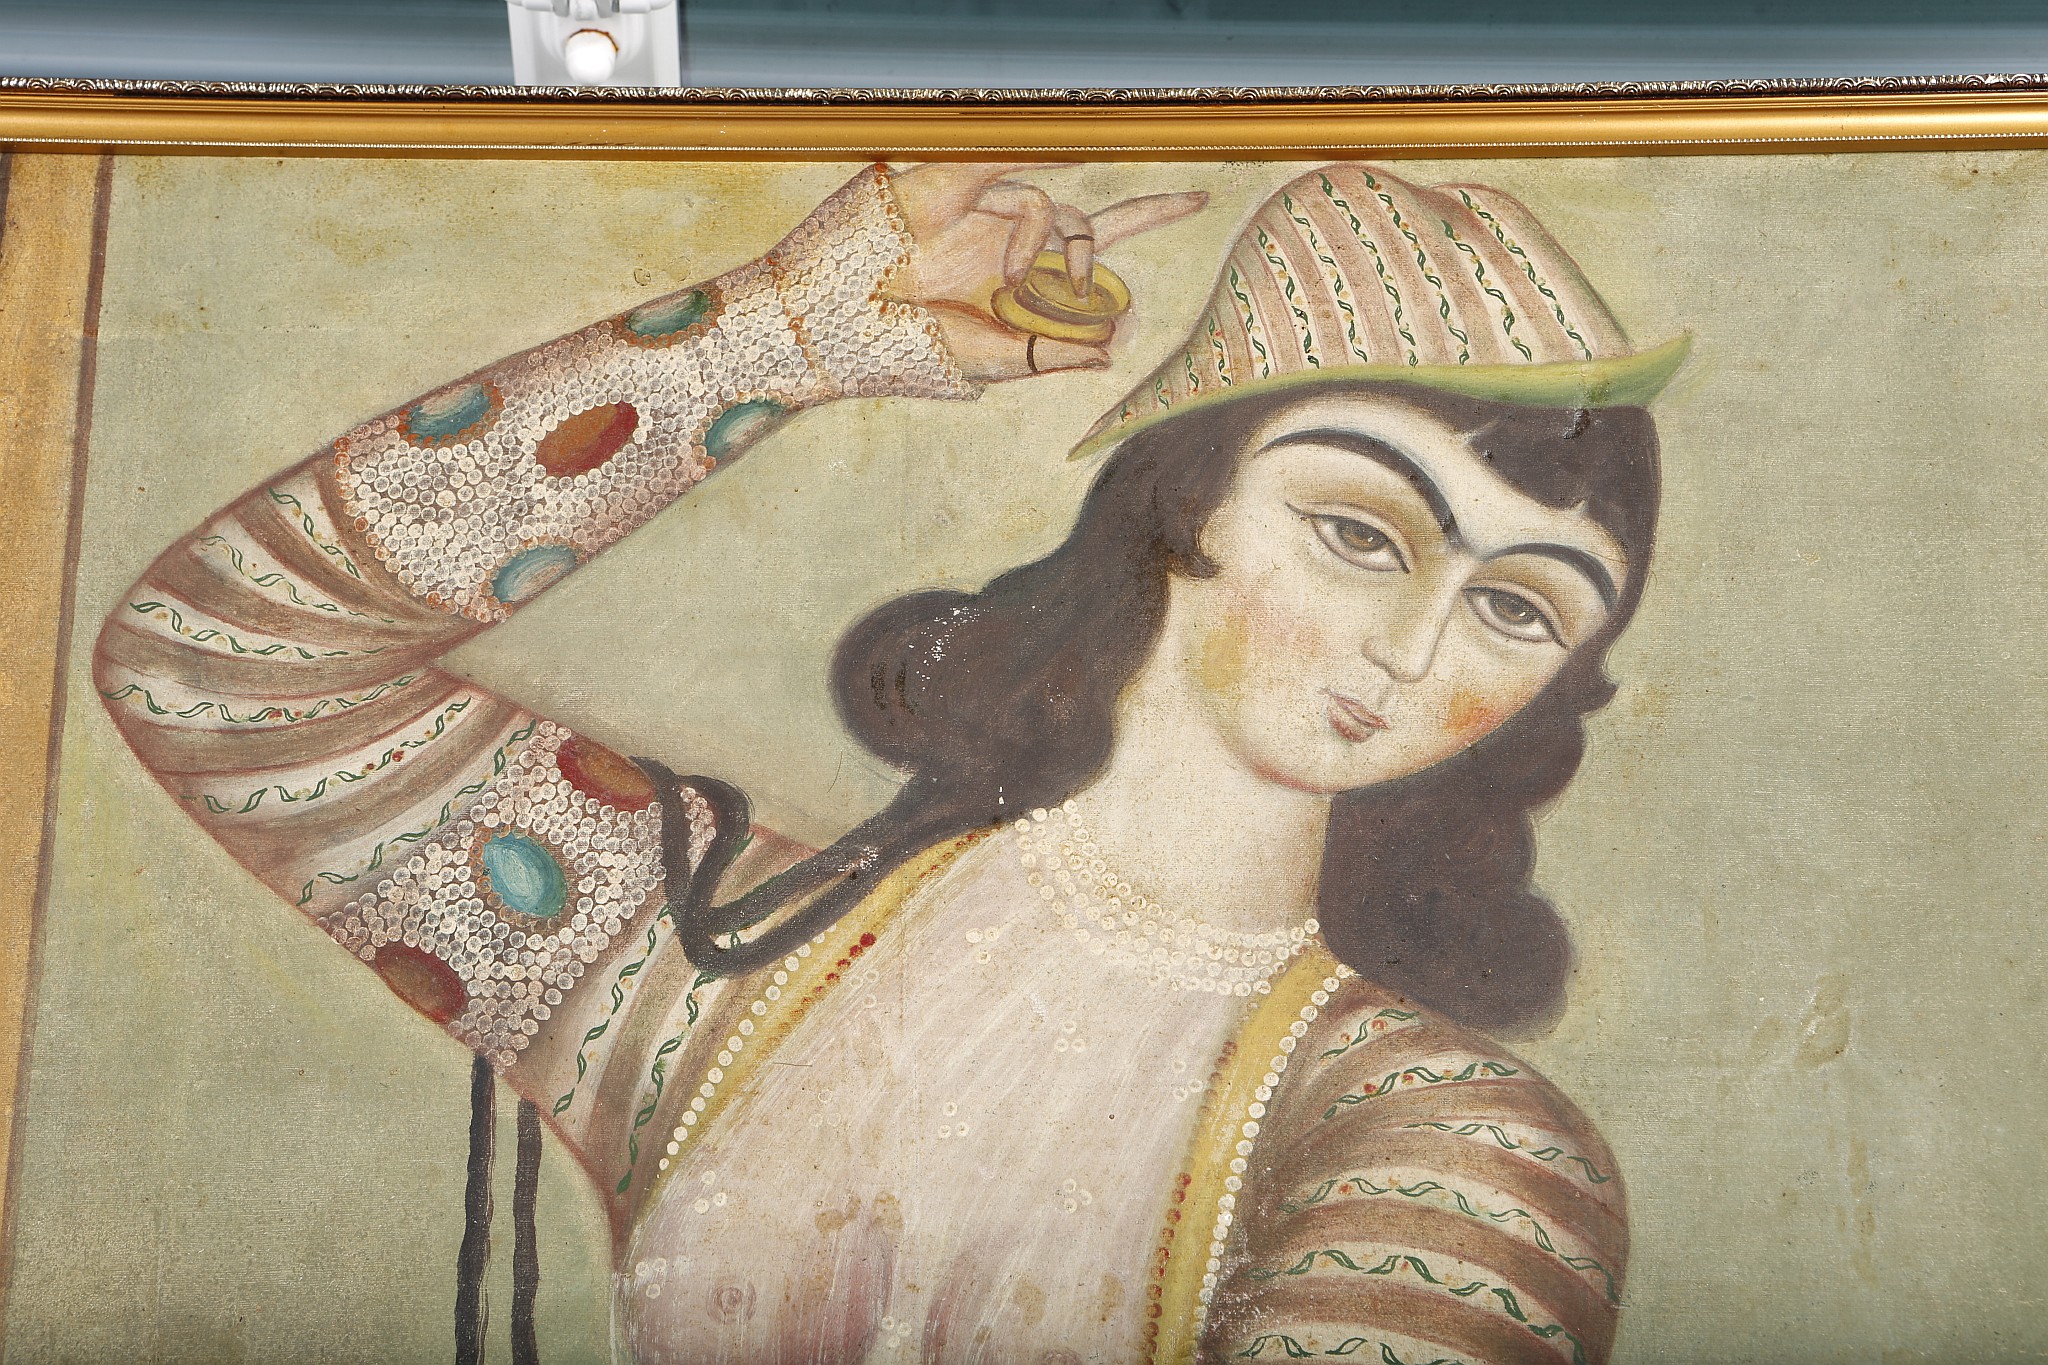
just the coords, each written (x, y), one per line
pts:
(422, 980)
(587, 440)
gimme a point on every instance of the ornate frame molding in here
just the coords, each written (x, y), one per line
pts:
(1898, 112)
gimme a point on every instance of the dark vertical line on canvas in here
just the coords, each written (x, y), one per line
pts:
(81, 439)
(6, 166)
(525, 1246)
(471, 1261)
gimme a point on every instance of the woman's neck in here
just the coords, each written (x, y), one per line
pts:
(1179, 817)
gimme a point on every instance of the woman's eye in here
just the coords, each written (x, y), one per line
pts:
(1513, 615)
(1359, 542)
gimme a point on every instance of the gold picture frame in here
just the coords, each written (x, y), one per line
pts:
(1865, 1252)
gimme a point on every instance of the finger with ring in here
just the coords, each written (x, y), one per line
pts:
(1077, 243)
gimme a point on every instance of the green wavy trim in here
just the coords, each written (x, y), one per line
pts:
(1477, 1070)
(499, 762)
(1364, 1033)
(1501, 1136)
(657, 1075)
(312, 531)
(1334, 276)
(1292, 295)
(1219, 349)
(1379, 265)
(1387, 1356)
(1251, 320)
(164, 611)
(1508, 316)
(598, 1030)
(268, 713)
(276, 578)
(1296, 1351)
(1395, 1262)
(1422, 1189)
(1514, 248)
(1443, 300)
(342, 776)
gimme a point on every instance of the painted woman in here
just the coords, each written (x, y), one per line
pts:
(1151, 1020)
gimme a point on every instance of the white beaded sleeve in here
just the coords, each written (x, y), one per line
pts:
(480, 495)
(277, 669)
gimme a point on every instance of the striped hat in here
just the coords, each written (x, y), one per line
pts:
(1350, 273)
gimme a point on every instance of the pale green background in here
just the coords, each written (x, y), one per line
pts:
(1802, 860)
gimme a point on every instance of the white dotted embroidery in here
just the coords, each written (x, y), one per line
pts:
(515, 968)
(1248, 1134)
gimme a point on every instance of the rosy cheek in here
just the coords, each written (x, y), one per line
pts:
(1472, 715)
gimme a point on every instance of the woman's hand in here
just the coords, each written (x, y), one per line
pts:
(977, 230)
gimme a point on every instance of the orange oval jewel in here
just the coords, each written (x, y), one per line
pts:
(587, 440)
(596, 771)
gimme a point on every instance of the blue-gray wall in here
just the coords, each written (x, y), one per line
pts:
(1052, 42)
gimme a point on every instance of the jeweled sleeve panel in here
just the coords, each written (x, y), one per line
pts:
(1423, 1196)
(277, 669)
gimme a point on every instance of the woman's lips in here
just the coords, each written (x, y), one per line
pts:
(1352, 718)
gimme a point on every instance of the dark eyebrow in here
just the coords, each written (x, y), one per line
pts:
(1593, 569)
(1379, 452)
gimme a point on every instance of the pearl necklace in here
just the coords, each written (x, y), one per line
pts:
(1063, 863)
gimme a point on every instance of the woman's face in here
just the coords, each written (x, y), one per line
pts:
(1383, 598)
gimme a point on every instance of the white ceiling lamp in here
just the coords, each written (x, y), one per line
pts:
(595, 42)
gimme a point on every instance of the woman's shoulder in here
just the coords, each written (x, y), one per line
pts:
(1374, 1064)
(1414, 1171)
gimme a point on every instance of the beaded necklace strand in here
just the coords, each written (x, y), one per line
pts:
(1063, 863)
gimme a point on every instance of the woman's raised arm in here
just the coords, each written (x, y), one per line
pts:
(276, 669)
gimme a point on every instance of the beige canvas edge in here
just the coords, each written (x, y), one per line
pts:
(50, 243)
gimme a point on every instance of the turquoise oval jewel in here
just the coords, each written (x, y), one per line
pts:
(666, 317)
(741, 424)
(449, 413)
(529, 572)
(525, 876)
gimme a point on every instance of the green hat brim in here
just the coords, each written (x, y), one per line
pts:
(1627, 381)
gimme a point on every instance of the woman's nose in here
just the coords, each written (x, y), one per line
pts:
(1405, 642)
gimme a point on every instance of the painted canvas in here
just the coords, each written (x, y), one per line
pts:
(1397, 761)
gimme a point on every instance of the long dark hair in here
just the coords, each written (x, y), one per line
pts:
(998, 701)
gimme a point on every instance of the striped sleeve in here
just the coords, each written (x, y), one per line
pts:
(1425, 1198)
(277, 670)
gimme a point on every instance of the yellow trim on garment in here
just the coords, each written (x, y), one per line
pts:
(775, 1019)
(1239, 1073)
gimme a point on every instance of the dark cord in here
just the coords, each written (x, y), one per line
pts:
(525, 1246)
(471, 1314)
(823, 888)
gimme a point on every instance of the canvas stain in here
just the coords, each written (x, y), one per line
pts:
(1824, 1034)
(832, 1220)
(1225, 656)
